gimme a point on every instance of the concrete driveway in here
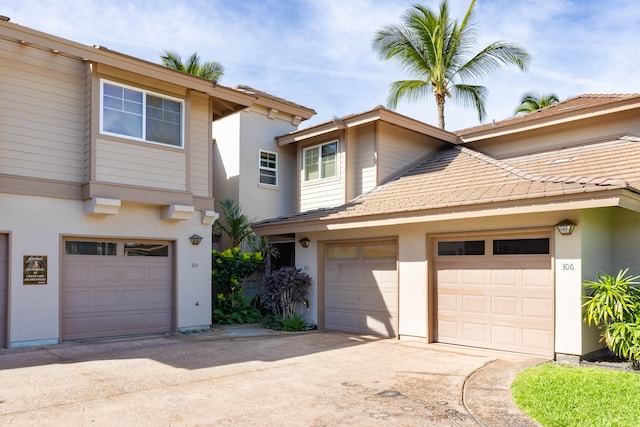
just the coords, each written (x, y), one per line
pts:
(310, 379)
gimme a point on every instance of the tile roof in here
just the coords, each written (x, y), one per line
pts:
(457, 176)
(568, 107)
(251, 91)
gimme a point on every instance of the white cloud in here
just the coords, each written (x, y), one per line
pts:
(318, 52)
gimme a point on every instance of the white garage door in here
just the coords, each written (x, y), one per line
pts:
(361, 288)
(4, 255)
(115, 288)
(496, 293)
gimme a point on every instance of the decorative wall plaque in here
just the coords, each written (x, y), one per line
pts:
(34, 270)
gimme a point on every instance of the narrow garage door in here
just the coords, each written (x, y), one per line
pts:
(496, 292)
(361, 288)
(3, 290)
(115, 288)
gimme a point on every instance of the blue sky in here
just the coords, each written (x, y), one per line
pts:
(318, 52)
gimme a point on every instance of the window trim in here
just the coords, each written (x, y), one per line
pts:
(261, 167)
(319, 146)
(144, 114)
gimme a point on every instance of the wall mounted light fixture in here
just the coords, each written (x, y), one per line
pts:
(195, 239)
(304, 242)
(565, 227)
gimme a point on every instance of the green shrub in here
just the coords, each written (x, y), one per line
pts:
(229, 267)
(228, 311)
(294, 323)
(613, 305)
(284, 289)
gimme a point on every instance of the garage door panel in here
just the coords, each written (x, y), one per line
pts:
(474, 332)
(105, 273)
(504, 337)
(473, 278)
(502, 301)
(537, 308)
(537, 279)
(474, 304)
(537, 338)
(360, 291)
(75, 300)
(108, 325)
(115, 294)
(504, 306)
(448, 303)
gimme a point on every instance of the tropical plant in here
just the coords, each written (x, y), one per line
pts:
(228, 269)
(437, 51)
(234, 310)
(235, 225)
(613, 305)
(285, 289)
(209, 70)
(531, 102)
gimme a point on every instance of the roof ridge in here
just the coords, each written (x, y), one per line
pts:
(520, 173)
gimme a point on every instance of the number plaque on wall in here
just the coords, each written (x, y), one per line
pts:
(35, 270)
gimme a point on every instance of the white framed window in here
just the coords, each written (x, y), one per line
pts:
(268, 168)
(134, 113)
(320, 161)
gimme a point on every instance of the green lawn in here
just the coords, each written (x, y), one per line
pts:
(563, 395)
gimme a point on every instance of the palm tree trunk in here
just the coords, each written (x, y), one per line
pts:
(440, 98)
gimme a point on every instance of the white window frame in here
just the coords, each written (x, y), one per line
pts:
(262, 167)
(143, 115)
(320, 168)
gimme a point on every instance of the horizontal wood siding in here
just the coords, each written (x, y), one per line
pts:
(140, 164)
(361, 171)
(42, 99)
(326, 192)
(199, 144)
(398, 148)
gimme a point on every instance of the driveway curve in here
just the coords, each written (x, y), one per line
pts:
(309, 379)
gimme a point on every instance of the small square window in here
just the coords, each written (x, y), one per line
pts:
(268, 168)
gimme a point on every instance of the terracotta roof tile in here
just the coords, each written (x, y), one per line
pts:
(458, 176)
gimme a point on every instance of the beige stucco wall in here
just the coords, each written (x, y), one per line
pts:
(36, 226)
(239, 138)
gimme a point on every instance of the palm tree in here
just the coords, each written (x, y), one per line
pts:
(437, 51)
(531, 102)
(209, 70)
(235, 225)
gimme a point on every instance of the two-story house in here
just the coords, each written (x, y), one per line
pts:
(481, 237)
(252, 169)
(105, 191)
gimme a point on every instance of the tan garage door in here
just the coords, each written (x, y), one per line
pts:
(496, 292)
(361, 288)
(4, 255)
(115, 288)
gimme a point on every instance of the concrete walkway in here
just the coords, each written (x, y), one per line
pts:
(251, 376)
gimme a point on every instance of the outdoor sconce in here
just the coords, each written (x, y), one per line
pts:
(565, 227)
(304, 242)
(195, 239)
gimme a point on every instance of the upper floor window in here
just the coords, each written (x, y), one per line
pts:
(268, 168)
(138, 114)
(320, 161)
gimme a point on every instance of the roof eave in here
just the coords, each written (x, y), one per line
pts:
(616, 197)
(544, 122)
(354, 120)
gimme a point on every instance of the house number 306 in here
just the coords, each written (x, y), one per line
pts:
(567, 267)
